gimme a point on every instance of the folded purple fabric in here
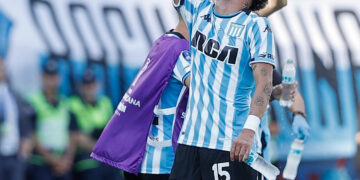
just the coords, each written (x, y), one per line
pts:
(123, 141)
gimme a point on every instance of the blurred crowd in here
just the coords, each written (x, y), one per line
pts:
(49, 136)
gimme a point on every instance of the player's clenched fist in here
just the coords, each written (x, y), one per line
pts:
(242, 145)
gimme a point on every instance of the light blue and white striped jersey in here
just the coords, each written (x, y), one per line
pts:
(159, 155)
(222, 50)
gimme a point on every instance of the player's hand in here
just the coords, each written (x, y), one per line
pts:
(242, 145)
(300, 127)
(277, 91)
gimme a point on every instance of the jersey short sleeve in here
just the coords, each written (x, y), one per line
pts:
(262, 46)
(182, 66)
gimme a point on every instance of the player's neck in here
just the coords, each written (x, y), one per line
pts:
(182, 29)
(226, 7)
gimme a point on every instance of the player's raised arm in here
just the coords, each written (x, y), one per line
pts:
(271, 7)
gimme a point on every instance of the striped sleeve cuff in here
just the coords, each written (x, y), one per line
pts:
(263, 60)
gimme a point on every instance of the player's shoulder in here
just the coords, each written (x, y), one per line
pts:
(260, 21)
(194, 3)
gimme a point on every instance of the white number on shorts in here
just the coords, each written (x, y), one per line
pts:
(218, 170)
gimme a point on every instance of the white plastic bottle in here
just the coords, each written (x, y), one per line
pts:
(288, 80)
(293, 159)
(265, 168)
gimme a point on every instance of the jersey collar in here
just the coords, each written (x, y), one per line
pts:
(246, 10)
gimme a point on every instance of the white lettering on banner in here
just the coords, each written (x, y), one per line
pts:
(131, 100)
(183, 115)
(121, 107)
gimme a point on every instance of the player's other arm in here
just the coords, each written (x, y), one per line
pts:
(271, 7)
(263, 79)
(262, 48)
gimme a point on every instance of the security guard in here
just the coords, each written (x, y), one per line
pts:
(92, 113)
(55, 130)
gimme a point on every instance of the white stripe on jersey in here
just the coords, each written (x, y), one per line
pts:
(156, 160)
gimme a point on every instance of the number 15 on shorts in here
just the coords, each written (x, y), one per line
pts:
(218, 170)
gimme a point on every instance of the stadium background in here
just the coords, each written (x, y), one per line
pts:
(113, 37)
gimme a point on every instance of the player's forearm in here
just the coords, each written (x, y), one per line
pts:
(273, 6)
(263, 79)
(299, 104)
(260, 100)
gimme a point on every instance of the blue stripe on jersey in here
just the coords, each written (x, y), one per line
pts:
(201, 88)
(223, 106)
(210, 107)
(167, 160)
(189, 6)
(258, 38)
(150, 157)
(200, 104)
(269, 39)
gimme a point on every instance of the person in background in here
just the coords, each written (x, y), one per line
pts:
(15, 145)
(92, 114)
(54, 130)
(300, 127)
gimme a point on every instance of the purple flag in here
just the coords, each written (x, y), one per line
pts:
(123, 141)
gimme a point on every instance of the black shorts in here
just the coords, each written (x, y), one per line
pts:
(129, 176)
(194, 163)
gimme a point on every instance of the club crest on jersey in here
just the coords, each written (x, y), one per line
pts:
(211, 48)
(235, 30)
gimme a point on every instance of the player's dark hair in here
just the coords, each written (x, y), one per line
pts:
(258, 4)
